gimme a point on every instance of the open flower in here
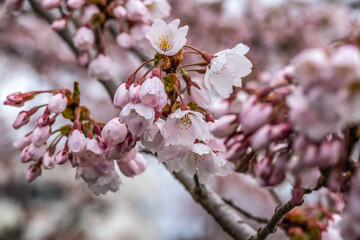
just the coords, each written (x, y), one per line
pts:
(167, 39)
(226, 70)
(184, 127)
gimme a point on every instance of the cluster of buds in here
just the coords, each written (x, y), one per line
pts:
(93, 148)
(128, 19)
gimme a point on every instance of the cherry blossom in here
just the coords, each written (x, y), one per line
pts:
(226, 70)
(167, 39)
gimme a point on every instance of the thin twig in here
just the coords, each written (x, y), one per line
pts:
(223, 214)
(270, 227)
(245, 213)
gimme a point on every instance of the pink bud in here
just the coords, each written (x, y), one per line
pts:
(15, 97)
(21, 143)
(37, 152)
(152, 93)
(224, 126)
(77, 141)
(49, 4)
(84, 38)
(33, 172)
(75, 3)
(59, 24)
(121, 97)
(102, 67)
(119, 11)
(21, 120)
(297, 195)
(84, 58)
(114, 132)
(40, 135)
(48, 161)
(62, 157)
(254, 115)
(134, 90)
(125, 40)
(57, 103)
(134, 166)
(25, 155)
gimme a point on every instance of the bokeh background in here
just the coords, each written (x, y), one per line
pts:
(152, 205)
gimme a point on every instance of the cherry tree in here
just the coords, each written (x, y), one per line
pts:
(208, 115)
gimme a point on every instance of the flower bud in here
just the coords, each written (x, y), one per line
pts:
(152, 93)
(57, 103)
(22, 119)
(75, 3)
(49, 4)
(254, 115)
(84, 38)
(121, 97)
(119, 11)
(134, 166)
(25, 155)
(61, 157)
(21, 143)
(36, 152)
(101, 67)
(84, 58)
(134, 90)
(59, 24)
(224, 126)
(76, 141)
(33, 172)
(124, 40)
(48, 161)
(114, 132)
(40, 135)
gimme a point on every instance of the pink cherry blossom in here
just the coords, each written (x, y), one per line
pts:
(254, 114)
(137, 117)
(121, 97)
(152, 93)
(40, 135)
(84, 38)
(184, 127)
(134, 166)
(114, 132)
(77, 141)
(102, 67)
(167, 39)
(57, 103)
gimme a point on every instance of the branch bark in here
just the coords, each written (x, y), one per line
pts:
(270, 227)
(227, 218)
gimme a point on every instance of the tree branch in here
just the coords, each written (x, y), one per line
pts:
(223, 214)
(270, 227)
(227, 218)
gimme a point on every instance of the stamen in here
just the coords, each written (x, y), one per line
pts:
(165, 43)
(184, 123)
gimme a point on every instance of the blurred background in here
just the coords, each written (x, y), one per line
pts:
(153, 205)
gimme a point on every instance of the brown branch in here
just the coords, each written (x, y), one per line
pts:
(227, 218)
(270, 227)
(64, 33)
(223, 214)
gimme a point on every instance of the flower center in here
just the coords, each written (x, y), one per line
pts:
(198, 158)
(184, 122)
(165, 42)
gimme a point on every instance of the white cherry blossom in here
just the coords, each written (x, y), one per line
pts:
(184, 127)
(226, 70)
(137, 117)
(167, 39)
